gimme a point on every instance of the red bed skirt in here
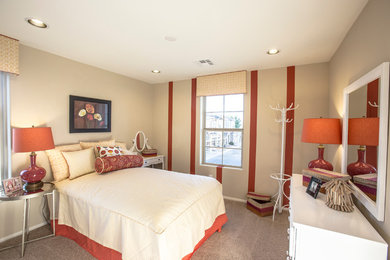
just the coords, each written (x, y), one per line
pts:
(102, 252)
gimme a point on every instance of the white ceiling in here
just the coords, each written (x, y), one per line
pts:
(127, 36)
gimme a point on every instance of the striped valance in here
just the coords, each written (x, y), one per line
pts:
(9, 55)
(221, 84)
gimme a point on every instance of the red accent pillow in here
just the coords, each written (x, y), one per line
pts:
(114, 163)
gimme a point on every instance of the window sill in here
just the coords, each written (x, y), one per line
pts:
(224, 167)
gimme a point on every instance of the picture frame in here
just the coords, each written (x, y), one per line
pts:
(314, 187)
(12, 185)
(89, 115)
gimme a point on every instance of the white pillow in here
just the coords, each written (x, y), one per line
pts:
(58, 164)
(80, 162)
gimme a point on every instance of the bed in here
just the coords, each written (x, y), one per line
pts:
(140, 213)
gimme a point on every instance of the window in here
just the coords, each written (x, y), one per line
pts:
(222, 128)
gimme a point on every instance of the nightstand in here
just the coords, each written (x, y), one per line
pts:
(154, 162)
(47, 189)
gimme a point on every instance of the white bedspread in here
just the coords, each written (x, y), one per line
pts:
(143, 213)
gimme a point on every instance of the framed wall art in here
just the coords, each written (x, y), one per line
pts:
(88, 115)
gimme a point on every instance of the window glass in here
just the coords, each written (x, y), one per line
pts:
(213, 139)
(223, 123)
(213, 155)
(214, 120)
(214, 104)
(232, 157)
(232, 140)
(234, 102)
(233, 120)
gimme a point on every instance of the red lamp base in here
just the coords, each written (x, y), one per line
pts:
(360, 166)
(33, 175)
(320, 162)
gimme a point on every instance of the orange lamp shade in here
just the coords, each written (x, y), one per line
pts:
(32, 139)
(321, 131)
(363, 131)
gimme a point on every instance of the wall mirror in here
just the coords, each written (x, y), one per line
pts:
(365, 138)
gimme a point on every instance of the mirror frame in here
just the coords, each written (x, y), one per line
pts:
(377, 209)
(135, 141)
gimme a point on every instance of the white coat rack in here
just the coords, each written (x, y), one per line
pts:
(282, 178)
(373, 104)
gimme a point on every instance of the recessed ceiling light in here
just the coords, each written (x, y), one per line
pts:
(36, 22)
(170, 38)
(156, 71)
(272, 51)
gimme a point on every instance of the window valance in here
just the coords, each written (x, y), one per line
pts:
(9, 55)
(221, 84)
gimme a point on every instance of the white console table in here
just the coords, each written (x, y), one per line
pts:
(318, 232)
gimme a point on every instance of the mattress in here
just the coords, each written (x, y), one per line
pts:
(143, 213)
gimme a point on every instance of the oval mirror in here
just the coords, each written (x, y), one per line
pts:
(140, 141)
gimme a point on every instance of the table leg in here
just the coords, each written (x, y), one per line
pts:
(54, 212)
(28, 219)
(25, 213)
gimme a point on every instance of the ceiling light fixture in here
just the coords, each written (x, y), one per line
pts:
(272, 51)
(156, 71)
(170, 38)
(36, 22)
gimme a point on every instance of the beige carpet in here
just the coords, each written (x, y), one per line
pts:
(244, 236)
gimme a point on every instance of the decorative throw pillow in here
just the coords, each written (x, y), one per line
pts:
(80, 162)
(107, 151)
(113, 163)
(86, 145)
(58, 164)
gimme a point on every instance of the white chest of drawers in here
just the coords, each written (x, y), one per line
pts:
(318, 232)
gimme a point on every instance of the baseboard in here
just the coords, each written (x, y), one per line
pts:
(3, 239)
(234, 199)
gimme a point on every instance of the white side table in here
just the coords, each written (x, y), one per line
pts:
(154, 161)
(47, 189)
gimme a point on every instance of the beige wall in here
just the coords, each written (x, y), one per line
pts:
(366, 45)
(40, 96)
(311, 91)
(181, 125)
(159, 138)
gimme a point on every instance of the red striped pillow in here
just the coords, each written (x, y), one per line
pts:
(114, 163)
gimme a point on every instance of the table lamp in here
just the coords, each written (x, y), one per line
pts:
(363, 132)
(321, 131)
(31, 140)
